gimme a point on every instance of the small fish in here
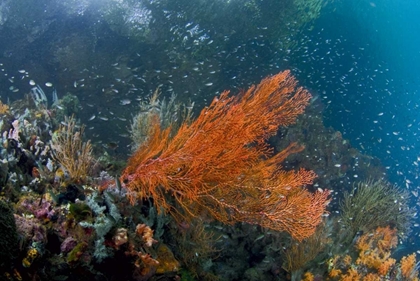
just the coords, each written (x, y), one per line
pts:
(92, 117)
(48, 84)
(259, 237)
(32, 82)
(22, 71)
(125, 101)
(111, 145)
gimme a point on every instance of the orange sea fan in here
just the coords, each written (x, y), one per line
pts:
(220, 165)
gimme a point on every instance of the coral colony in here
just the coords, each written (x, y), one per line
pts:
(199, 199)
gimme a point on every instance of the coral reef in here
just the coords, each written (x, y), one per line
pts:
(61, 223)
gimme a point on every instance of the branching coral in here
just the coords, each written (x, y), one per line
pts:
(221, 166)
(298, 254)
(375, 249)
(74, 155)
(374, 260)
(168, 112)
(196, 247)
(375, 203)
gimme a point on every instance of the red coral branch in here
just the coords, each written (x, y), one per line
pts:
(221, 166)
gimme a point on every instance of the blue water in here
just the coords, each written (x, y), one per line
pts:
(372, 82)
(378, 42)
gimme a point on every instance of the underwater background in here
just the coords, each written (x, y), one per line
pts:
(358, 59)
